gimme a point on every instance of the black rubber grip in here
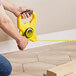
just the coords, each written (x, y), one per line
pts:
(28, 11)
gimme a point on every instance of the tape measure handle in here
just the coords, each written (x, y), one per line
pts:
(33, 21)
(28, 11)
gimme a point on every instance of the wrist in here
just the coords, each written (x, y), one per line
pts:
(16, 11)
(19, 39)
(13, 9)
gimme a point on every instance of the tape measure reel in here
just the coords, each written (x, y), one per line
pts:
(28, 32)
(28, 29)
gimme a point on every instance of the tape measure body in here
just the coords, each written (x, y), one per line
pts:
(28, 29)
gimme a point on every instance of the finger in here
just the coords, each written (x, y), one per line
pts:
(27, 15)
(22, 16)
(30, 14)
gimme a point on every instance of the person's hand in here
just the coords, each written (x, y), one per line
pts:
(19, 10)
(22, 42)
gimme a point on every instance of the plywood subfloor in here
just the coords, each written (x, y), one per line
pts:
(35, 62)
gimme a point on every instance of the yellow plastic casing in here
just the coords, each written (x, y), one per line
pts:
(23, 26)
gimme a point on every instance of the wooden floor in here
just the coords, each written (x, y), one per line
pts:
(34, 62)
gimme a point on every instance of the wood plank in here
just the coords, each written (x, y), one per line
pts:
(44, 75)
(62, 69)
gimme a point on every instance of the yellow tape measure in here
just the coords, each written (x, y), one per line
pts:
(28, 29)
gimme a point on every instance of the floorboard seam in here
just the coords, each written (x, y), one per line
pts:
(70, 58)
(23, 68)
